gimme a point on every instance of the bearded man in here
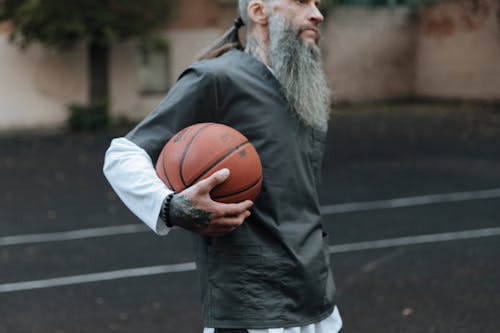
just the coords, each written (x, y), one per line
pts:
(268, 271)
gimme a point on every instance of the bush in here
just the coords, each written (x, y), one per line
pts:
(88, 118)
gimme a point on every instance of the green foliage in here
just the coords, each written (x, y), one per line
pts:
(62, 23)
(87, 118)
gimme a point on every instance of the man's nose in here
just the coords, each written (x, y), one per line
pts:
(315, 15)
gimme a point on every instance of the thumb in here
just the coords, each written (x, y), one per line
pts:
(213, 180)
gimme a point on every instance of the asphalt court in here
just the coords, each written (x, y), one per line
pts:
(444, 282)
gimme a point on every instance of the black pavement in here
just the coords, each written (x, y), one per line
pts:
(445, 281)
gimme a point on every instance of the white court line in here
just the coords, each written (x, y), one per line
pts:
(190, 266)
(97, 277)
(325, 210)
(415, 240)
(410, 201)
(73, 234)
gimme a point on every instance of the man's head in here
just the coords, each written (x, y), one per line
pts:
(284, 34)
(302, 15)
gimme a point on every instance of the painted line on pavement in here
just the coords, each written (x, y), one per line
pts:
(410, 201)
(190, 266)
(325, 210)
(97, 277)
(73, 234)
(415, 240)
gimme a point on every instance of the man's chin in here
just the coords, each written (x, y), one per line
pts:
(310, 42)
(313, 47)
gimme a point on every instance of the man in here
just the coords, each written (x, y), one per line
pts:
(268, 270)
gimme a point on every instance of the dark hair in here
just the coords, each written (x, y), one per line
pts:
(230, 40)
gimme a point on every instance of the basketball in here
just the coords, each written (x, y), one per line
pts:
(198, 151)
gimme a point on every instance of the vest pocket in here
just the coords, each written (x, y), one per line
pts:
(248, 286)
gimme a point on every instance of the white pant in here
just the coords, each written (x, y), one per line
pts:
(331, 324)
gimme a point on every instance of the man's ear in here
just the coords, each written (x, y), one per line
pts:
(258, 12)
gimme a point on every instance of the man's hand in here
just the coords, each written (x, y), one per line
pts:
(193, 209)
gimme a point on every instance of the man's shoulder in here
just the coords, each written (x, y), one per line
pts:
(232, 66)
(222, 65)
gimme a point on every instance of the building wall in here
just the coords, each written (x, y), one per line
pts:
(369, 53)
(449, 50)
(202, 14)
(458, 45)
(184, 46)
(36, 84)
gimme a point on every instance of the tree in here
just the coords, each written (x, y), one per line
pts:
(62, 24)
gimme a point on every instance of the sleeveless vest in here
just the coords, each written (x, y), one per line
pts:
(273, 271)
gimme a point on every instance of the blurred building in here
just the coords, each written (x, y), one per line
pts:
(447, 50)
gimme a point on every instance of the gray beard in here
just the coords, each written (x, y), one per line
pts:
(297, 66)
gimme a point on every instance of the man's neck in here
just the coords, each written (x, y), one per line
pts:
(258, 48)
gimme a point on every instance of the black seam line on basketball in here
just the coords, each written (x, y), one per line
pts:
(220, 159)
(238, 192)
(185, 153)
(164, 168)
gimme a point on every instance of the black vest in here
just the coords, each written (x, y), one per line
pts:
(273, 271)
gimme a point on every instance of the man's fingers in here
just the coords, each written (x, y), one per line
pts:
(229, 222)
(224, 226)
(206, 185)
(226, 210)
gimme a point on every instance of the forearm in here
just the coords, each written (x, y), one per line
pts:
(131, 173)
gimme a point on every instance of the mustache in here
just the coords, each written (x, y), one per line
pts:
(312, 27)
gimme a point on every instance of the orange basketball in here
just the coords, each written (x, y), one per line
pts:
(197, 151)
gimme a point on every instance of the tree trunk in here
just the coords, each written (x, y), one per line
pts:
(98, 56)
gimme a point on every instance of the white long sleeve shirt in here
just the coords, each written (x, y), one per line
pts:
(132, 175)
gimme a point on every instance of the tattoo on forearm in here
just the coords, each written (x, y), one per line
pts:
(184, 213)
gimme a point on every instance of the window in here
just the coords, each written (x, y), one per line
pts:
(154, 70)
